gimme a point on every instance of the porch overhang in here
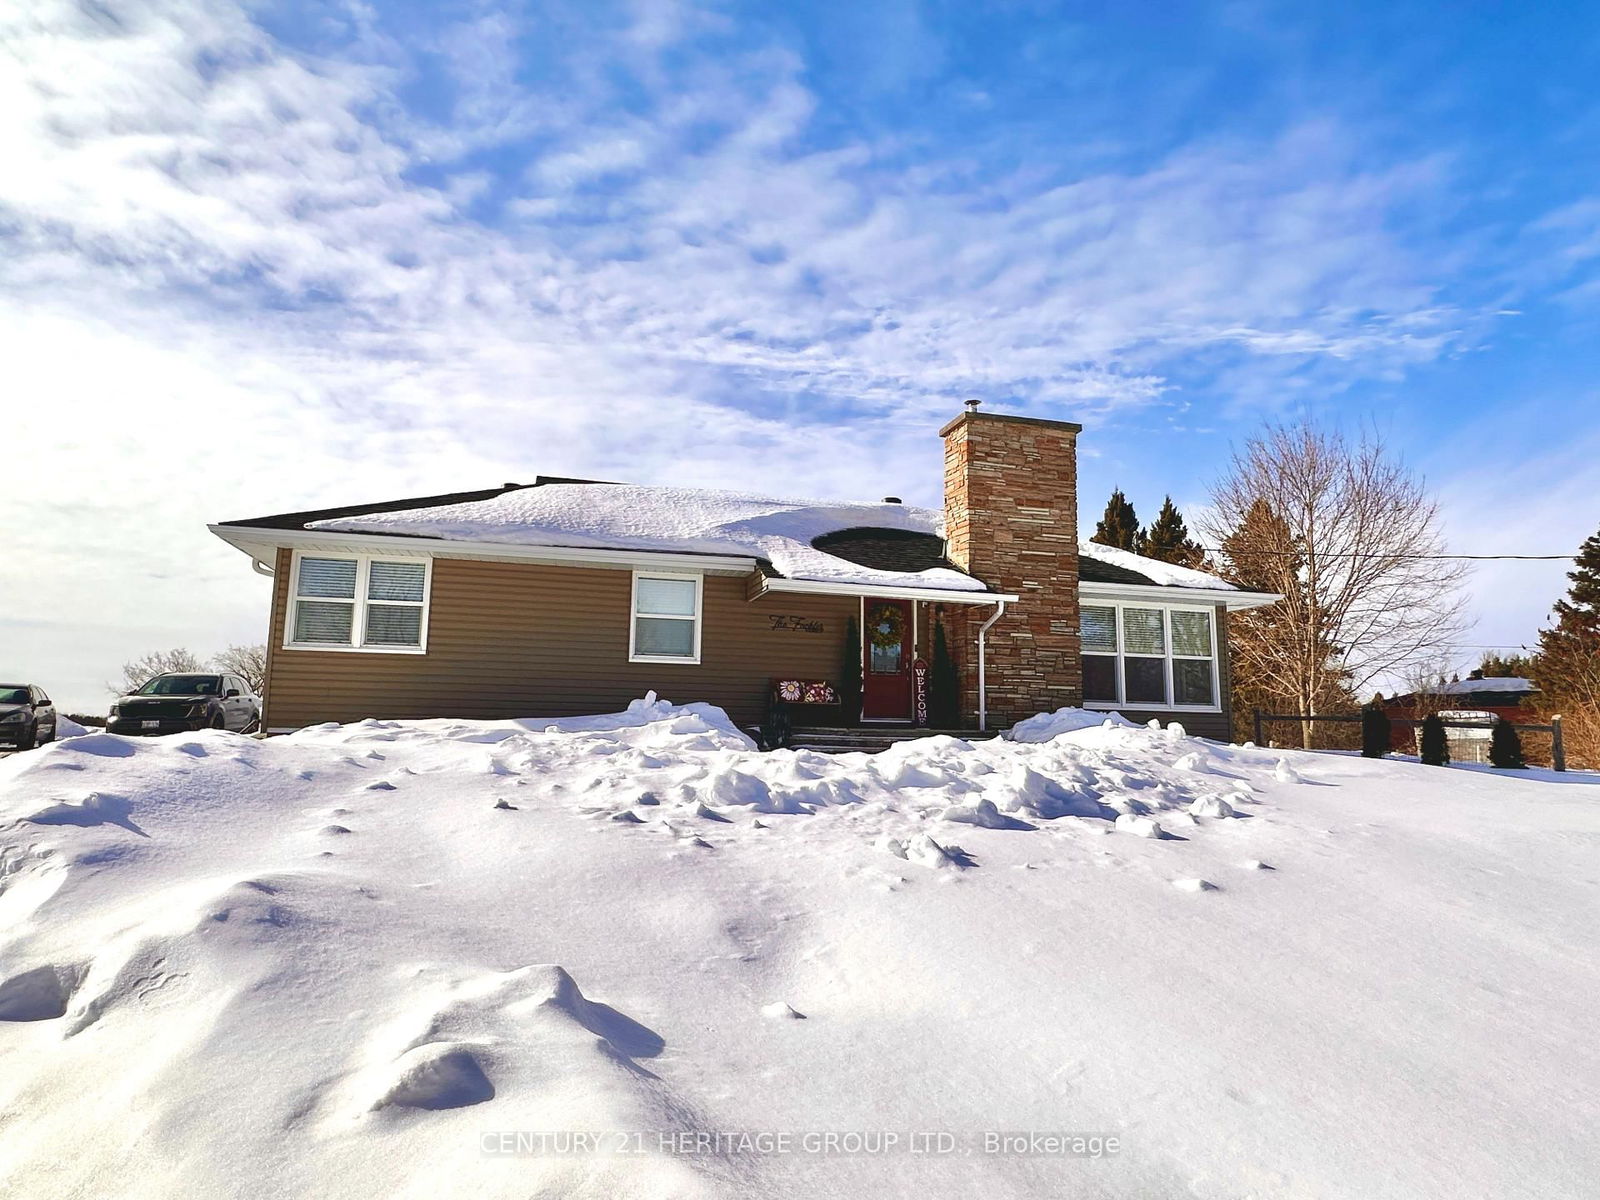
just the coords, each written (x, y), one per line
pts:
(765, 584)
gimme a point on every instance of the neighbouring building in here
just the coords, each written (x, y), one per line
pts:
(1475, 698)
(566, 596)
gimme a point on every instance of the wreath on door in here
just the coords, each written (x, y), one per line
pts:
(888, 627)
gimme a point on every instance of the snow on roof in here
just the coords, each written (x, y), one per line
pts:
(1503, 683)
(1163, 574)
(673, 520)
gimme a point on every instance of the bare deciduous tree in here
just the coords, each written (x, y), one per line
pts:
(136, 672)
(248, 661)
(1350, 537)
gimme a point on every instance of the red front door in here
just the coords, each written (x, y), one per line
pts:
(886, 652)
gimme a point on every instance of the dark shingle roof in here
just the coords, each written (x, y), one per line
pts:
(1092, 570)
(886, 549)
(299, 520)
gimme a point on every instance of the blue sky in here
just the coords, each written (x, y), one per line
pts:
(264, 257)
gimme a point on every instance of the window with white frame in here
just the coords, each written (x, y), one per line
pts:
(1147, 656)
(359, 602)
(666, 618)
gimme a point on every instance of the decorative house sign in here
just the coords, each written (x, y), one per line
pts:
(919, 677)
(789, 623)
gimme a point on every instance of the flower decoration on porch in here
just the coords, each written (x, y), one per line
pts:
(791, 690)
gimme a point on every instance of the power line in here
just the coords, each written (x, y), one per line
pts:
(1429, 557)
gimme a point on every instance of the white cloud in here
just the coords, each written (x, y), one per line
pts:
(241, 278)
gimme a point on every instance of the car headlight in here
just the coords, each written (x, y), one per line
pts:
(197, 710)
(116, 710)
(12, 718)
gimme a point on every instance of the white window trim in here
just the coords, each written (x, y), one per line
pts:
(358, 623)
(1168, 657)
(634, 614)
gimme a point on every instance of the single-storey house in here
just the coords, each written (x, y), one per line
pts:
(566, 596)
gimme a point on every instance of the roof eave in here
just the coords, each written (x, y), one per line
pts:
(257, 542)
(1232, 598)
(820, 587)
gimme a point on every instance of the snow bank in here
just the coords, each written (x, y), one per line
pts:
(66, 727)
(423, 958)
(1046, 726)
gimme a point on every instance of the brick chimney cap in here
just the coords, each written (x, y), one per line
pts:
(974, 415)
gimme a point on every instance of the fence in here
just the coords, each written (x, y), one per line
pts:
(1558, 755)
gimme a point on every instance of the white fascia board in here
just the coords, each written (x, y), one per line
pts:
(1157, 594)
(259, 543)
(942, 595)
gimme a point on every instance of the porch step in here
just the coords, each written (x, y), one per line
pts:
(865, 739)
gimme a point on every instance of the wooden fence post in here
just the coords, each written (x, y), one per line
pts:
(1558, 753)
(1260, 740)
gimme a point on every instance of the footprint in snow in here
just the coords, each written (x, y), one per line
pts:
(1195, 885)
(382, 785)
(779, 1011)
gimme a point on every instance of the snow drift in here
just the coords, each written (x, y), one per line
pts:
(629, 956)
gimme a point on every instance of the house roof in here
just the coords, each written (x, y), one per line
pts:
(1107, 564)
(861, 544)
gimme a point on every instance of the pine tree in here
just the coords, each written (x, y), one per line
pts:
(1168, 538)
(1505, 746)
(1435, 745)
(944, 684)
(1566, 668)
(1507, 666)
(1375, 730)
(1120, 526)
(850, 673)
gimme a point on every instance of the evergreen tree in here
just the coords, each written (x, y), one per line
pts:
(1507, 666)
(1168, 538)
(1566, 668)
(1375, 730)
(944, 684)
(1505, 746)
(1120, 526)
(850, 673)
(1435, 745)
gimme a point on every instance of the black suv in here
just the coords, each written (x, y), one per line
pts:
(27, 718)
(182, 701)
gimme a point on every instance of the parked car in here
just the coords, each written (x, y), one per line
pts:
(180, 701)
(27, 718)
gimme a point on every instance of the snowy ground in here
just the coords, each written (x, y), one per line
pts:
(364, 960)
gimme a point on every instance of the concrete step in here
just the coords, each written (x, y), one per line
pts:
(867, 739)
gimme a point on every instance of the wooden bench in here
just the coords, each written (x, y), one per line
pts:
(778, 726)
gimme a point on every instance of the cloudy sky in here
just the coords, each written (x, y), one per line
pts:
(271, 256)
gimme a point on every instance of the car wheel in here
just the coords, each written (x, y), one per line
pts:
(216, 722)
(29, 739)
(253, 725)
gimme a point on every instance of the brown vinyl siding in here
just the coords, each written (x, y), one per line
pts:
(534, 640)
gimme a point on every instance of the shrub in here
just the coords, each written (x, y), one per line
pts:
(850, 674)
(1435, 745)
(1375, 732)
(1505, 746)
(944, 686)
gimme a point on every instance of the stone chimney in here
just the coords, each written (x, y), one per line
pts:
(1011, 519)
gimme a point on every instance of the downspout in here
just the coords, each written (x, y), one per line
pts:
(983, 694)
(261, 568)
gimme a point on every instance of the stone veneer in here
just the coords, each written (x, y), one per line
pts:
(1011, 519)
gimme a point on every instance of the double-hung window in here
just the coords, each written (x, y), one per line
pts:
(666, 618)
(359, 602)
(1144, 656)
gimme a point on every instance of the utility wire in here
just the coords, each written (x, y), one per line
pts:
(1357, 554)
